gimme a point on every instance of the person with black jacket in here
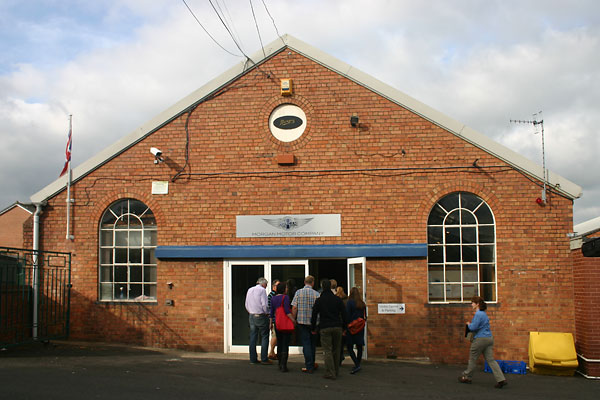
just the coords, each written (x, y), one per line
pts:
(333, 320)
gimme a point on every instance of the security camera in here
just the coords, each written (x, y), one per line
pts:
(157, 155)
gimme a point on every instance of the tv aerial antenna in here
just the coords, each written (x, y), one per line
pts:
(535, 122)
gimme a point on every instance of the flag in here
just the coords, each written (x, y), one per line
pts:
(67, 154)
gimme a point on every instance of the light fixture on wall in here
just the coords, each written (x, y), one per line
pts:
(354, 120)
(157, 155)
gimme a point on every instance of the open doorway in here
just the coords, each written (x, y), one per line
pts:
(329, 269)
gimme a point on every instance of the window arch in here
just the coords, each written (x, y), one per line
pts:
(461, 249)
(127, 261)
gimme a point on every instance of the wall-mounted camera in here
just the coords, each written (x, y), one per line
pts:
(157, 155)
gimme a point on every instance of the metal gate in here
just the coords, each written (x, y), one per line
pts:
(35, 294)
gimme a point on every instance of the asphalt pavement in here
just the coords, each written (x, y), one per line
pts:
(75, 370)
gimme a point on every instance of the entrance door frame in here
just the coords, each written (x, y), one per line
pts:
(362, 261)
(228, 347)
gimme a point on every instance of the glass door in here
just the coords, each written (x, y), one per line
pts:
(357, 276)
(239, 277)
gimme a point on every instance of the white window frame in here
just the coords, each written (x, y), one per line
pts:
(448, 286)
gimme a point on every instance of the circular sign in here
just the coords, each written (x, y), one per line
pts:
(287, 122)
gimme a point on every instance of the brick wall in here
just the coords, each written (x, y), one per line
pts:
(229, 133)
(11, 227)
(586, 273)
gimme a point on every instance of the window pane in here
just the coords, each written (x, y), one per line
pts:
(484, 215)
(106, 274)
(134, 222)
(487, 273)
(488, 291)
(469, 235)
(469, 253)
(452, 235)
(150, 291)
(148, 219)
(149, 238)
(135, 291)
(453, 292)
(120, 207)
(453, 218)
(436, 292)
(137, 207)
(149, 274)
(149, 257)
(106, 255)
(120, 273)
(121, 238)
(453, 273)
(469, 291)
(449, 202)
(486, 253)
(434, 235)
(121, 256)
(120, 292)
(135, 256)
(435, 254)
(135, 273)
(437, 215)
(469, 201)
(106, 238)
(122, 222)
(108, 220)
(106, 291)
(486, 234)
(436, 273)
(453, 253)
(467, 218)
(470, 273)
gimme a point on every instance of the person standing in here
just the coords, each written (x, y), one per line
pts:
(483, 342)
(302, 308)
(258, 310)
(331, 313)
(355, 307)
(283, 338)
(273, 342)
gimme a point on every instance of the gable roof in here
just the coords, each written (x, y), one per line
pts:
(588, 227)
(30, 208)
(558, 183)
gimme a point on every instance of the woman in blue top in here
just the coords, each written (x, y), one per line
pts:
(483, 342)
(283, 339)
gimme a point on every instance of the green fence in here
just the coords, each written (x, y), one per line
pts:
(35, 294)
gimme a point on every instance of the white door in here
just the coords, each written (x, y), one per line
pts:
(238, 277)
(357, 276)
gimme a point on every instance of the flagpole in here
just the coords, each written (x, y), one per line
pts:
(69, 176)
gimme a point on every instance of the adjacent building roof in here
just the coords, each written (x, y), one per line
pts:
(587, 228)
(30, 208)
(558, 183)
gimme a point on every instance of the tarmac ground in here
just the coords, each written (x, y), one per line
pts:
(76, 370)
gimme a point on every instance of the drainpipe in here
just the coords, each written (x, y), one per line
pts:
(35, 283)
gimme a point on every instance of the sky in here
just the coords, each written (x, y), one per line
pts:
(115, 64)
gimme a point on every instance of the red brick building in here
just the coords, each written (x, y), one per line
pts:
(296, 163)
(586, 274)
(12, 219)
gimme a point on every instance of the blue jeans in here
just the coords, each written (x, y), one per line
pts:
(309, 345)
(259, 323)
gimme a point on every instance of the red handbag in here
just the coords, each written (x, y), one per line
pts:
(283, 323)
(356, 326)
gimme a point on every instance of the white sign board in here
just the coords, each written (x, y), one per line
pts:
(303, 225)
(391, 308)
(160, 187)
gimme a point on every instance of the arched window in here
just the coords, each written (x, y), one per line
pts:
(127, 244)
(461, 244)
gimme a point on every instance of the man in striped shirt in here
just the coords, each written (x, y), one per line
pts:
(302, 306)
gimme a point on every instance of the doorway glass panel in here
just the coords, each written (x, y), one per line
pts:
(243, 277)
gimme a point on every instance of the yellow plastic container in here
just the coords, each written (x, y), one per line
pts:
(552, 353)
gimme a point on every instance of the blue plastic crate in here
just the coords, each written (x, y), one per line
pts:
(487, 368)
(509, 367)
(514, 367)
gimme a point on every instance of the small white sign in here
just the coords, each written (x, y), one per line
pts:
(391, 308)
(160, 187)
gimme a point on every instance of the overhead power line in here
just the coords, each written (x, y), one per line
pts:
(257, 30)
(209, 35)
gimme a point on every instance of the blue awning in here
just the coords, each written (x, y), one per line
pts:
(415, 250)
